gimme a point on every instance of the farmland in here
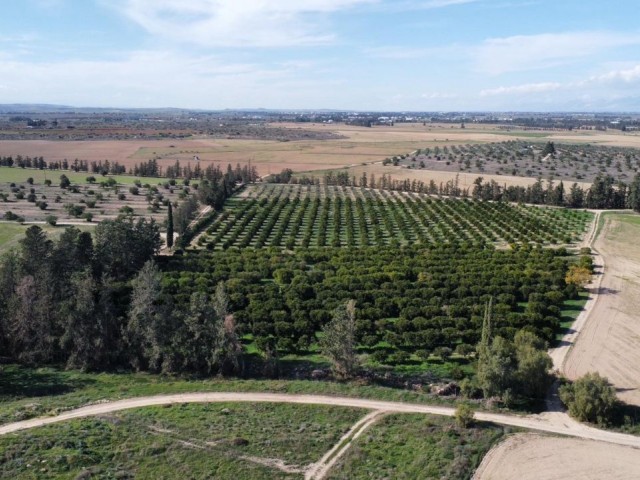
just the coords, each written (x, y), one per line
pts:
(316, 216)
(103, 198)
(576, 163)
(326, 147)
(421, 296)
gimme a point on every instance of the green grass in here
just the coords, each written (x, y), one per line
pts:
(179, 441)
(27, 393)
(11, 233)
(413, 446)
(570, 311)
(20, 175)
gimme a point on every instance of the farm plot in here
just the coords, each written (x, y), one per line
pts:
(39, 202)
(577, 163)
(302, 216)
(415, 305)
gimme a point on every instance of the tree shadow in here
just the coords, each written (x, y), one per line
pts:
(22, 382)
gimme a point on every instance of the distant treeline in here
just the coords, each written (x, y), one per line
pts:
(604, 193)
(149, 168)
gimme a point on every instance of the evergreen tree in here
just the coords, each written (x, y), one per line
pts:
(338, 342)
(170, 226)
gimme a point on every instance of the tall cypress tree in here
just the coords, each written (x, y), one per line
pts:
(170, 226)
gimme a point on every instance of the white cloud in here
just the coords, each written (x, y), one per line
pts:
(438, 96)
(522, 89)
(237, 23)
(531, 52)
(630, 75)
(166, 79)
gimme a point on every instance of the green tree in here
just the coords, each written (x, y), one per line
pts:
(122, 246)
(633, 199)
(169, 225)
(146, 332)
(534, 365)
(590, 398)
(81, 332)
(64, 181)
(338, 341)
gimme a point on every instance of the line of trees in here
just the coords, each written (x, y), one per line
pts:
(65, 301)
(604, 193)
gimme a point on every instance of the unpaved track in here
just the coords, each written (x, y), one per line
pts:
(559, 354)
(609, 342)
(555, 422)
(537, 457)
(320, 469)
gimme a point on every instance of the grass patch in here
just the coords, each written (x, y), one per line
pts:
(417, 446)
(570, 311)
(180, 441)
(27, 393)
(20, 175)
(12, 233)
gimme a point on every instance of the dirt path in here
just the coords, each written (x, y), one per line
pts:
(609, 342)
(320, 469)
(559, 354)
(538, 457)
(553, 422)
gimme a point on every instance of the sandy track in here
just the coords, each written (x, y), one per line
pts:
(553, 422)
(538, 457)
(610, 340)
(320, 469)
(559, 354)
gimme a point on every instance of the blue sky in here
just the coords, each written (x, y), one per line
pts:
(415, 55)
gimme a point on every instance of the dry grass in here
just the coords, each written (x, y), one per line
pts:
(362, 145)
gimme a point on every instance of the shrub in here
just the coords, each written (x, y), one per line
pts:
(590, 399)
(134, 190)
(51, 220)
(464, 415)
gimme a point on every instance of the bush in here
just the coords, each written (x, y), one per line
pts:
(134, 190)
(464, 415)
(51, 220)
(590, 399)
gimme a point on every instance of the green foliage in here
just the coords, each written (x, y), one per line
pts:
(338, 341)
(151, 442)
(170, 225)
(590, 399)
(512, 370)
(464, 415)
(416, 447)
(273, 215)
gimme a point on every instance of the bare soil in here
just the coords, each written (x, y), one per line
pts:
(610, 340)
(539, 457)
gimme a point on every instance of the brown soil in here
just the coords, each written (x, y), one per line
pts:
(538, 457)
(610, 340)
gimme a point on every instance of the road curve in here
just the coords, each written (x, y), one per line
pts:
(551, 422)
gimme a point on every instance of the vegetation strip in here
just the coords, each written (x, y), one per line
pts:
(553, 423)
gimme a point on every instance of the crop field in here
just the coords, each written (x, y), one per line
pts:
(294, 216)
(82, 201)
(225, 441)
(411, 302)
(579, 163)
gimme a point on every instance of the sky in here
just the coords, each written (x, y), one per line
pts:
(375, 55)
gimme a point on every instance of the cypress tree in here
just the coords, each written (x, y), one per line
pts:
(170, 226)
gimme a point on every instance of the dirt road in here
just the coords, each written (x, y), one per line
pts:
(609, 342)
(559, 354)
(553, 422)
